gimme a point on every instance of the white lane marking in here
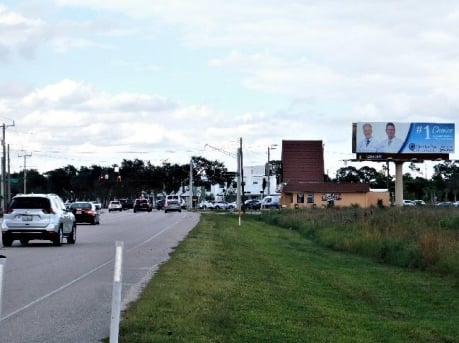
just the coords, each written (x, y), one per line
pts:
(81, 277)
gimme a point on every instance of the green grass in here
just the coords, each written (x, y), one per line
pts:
(260, 283)
(425, 238)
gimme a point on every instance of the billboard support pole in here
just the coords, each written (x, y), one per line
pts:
(398, 183)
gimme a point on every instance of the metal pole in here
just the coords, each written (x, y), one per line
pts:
(116, 293)
(190, 192)
(8, 173)
(268, 171)
(25, 170)
(241, 158)
(239, 199)
(3, 188)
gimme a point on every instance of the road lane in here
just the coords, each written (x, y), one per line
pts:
(63, 294)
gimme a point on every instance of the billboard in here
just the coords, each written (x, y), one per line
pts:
(379, 140)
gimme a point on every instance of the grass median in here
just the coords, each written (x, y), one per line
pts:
(261, 283)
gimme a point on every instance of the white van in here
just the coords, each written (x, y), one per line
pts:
(271, 201)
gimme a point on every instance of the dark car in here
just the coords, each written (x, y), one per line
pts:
(141, 205)
(85, 212)
(252, 204)
(160, 204)
(127, 203)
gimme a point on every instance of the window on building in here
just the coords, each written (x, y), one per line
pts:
(311, 198)
(300, 198)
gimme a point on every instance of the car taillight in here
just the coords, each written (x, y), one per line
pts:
(90, 212)
(48, 210)
(8, 210)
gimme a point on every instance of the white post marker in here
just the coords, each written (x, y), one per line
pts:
(2, 265)
(116, 293)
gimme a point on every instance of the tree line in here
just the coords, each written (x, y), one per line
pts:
(442, 186)
(130, 179)
(133, 177)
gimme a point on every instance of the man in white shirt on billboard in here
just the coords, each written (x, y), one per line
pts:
(368, 143)
(391, 144)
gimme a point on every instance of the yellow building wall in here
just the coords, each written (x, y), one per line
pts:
(289, 200)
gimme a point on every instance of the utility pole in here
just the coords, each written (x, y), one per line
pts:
(3, 185)
(268, 172)
(190, 191)
(25, 169)
(239, 184)
(241, 158)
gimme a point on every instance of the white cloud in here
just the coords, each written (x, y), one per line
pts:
(326, 63)
(19, 34)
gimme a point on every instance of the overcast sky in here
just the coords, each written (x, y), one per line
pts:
(98, 81)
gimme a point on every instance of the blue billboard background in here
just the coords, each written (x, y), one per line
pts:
(405, 138)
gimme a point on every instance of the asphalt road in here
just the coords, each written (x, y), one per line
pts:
(64, 294)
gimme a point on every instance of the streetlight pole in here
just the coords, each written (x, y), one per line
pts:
(268, 172)
(25, 170)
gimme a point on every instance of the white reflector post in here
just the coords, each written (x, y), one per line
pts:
(2, 267)
(116, 294)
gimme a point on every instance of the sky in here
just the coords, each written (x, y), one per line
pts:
(93, 82)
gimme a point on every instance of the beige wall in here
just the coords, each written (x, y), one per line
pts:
(289, 200)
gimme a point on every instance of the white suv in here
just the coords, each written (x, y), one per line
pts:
(172, 203)
(38, 216)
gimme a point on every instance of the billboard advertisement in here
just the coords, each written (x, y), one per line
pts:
(379, 139)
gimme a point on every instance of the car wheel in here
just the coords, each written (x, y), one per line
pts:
(58, 240)
(71, 239)
(7, 241)
(24, 241)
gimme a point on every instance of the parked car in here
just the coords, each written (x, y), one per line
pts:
(85, 212)
(221, 205)
(252, 204)
(172, 203)
(115, 205)
(456, 204)
(232, 205)
(141, 205)
(444, 204)
(419, 202)
(409, 203)
(38, 216)
(206, 205)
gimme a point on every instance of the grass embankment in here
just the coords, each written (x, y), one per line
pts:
(424, 238)
(259, 283)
